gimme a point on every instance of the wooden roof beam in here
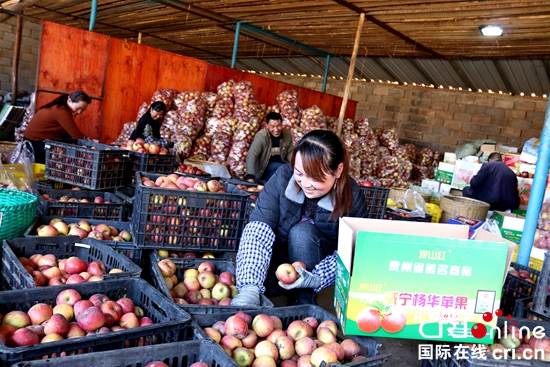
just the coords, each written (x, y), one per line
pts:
(14, 6)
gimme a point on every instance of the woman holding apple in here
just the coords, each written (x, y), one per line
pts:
(148, 126)
(296, 219)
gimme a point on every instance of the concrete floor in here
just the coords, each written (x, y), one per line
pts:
(404, 352)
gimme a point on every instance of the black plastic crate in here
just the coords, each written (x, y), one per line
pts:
(188, 220)
(126, 193)
(469, 360)
(185, 263)
(127, 248)
(218, 256)
(114, 210)
(369, 345)
(541, 301)
(393, 214)
(171, 323)
(522, 311)
(377, 199)
(51, 184)
(155, 163)
(102, 167)
(517, 288)
(181, 354)
(15, 276)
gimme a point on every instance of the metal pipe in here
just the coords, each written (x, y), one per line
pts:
(537, 193)
(325, 76)
(93, 14)
(236, 44)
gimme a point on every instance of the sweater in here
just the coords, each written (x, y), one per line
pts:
(53, 123)
(259, 153)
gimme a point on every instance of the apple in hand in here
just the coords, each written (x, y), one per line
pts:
(286, 273)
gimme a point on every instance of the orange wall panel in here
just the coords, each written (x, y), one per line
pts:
(180, 72)
(131, 80)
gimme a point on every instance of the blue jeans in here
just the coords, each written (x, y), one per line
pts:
(270, 170)
(306, 243)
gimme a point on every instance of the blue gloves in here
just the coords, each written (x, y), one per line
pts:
(306, 280)
(249, 295)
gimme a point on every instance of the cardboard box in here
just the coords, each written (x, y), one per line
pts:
(449, 157)
(526, 167)
(487, 149)
(530, 151)
(428, 273)
(506, 149)
(524, 188)
(445, 189)
(430, 184)
(511, 160)
(511, 225)
(460, 219)
(463, 173)
(444, 173)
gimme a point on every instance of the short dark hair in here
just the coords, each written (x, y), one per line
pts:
(273, 116)
(495, 156)
(158, 106)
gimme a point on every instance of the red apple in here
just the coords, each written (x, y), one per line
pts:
(126, 304)
(96, 267)
(68, 296)
(74, 265)
(91, 319)
(112, 308)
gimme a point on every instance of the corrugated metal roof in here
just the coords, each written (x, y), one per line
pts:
(515, 76)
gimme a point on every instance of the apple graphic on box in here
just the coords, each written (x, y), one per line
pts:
(75, 265)
(39, 313)
(91, 319)
(16, 318)
(68, 296)
(220, 291)
(286, 273)
(262, 325)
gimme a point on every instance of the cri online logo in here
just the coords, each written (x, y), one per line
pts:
(479, 330)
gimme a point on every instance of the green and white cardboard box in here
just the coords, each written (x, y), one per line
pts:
(510, 225)
(427, 280)
(444, 173)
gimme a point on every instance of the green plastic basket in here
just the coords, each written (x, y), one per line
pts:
(17, 212)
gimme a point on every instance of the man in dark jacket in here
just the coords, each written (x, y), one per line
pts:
(495, 184)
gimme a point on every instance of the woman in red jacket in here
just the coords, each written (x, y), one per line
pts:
(55, 120)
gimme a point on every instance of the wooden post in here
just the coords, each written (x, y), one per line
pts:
(139, 38)
(15, 61)
(350, 74)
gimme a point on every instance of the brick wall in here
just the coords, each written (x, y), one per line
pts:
(437, 119)
(28, 58)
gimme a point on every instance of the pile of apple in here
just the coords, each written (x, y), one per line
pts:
(262, 342)
(83, 229)
(49, 270)
(175, 181)
(71, 317)
(187, 168)
(68, 199)
(139, 145)
(162, 364)
(200, 286)
(186, 254)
